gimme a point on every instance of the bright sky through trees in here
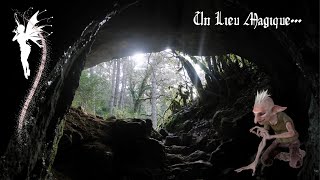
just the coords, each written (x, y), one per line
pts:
(141, 59)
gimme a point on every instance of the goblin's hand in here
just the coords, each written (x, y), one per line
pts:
(266, 135)
(259, 131)
(251, 166)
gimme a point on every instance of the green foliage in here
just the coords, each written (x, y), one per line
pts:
(124, 113)
(226, 76)
(92, 93)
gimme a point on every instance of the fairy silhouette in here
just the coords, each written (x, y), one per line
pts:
(23, 34)
(37, 35)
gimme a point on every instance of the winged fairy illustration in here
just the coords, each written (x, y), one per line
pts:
(37, 35)
(31, 32)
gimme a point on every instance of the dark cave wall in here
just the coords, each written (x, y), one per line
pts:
(163, 24)
(32, 157)
(69, 20)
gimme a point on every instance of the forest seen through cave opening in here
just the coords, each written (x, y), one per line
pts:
(158, 85)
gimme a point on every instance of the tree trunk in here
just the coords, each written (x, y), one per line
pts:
(154, 97)
(208, 60)
(91, 73)
(116, 91)
(224, 64)
(137, 93)
(191, 93)
(136, 105)
(123, 84)
(192, 75)
(215, 64)
(113, 77)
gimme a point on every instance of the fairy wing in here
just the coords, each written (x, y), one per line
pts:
(33, 31)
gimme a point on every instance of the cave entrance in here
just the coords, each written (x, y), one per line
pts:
(158, 85)
(188, 97)
(144, 85)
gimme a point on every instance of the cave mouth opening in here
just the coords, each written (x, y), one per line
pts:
(160, 85)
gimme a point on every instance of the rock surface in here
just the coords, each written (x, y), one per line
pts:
(93, 148)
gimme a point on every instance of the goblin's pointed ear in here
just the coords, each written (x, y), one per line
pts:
(276, 108)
